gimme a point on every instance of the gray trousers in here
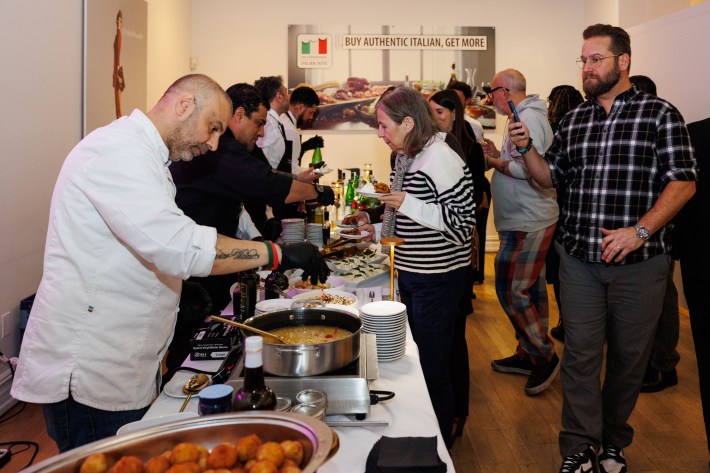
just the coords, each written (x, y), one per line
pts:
(620, 305)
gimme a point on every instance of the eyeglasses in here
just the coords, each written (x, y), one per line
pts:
(594, 61)
(493, 91)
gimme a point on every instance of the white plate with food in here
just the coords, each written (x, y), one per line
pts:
(297, 285)
(374, 195)
(329, 296)
(340, 224)
(349, 234)
(322, 171)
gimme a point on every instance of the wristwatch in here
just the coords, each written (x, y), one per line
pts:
(642, 232)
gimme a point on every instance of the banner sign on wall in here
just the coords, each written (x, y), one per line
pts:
(351, 66)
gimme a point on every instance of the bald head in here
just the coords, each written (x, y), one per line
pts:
(512, 80)
(191, 115)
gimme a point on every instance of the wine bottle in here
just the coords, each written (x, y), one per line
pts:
(254, 395)
(453, 77)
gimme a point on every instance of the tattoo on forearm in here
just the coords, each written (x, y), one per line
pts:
(237, 253)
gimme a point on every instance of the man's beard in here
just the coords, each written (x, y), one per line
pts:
(179, 147)
(602, 84)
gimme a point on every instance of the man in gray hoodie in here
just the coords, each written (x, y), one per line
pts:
(525, 216)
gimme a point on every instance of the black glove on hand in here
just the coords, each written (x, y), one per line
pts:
(308, 258)
(312, 143)
(325, 195)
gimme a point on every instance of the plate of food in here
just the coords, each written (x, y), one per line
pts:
(376, 190)
(298, 286)
(352, 233)
(329, 296)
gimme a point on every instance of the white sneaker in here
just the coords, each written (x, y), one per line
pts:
(582, 462)
(611, 459)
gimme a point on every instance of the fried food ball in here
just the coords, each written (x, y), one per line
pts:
(184, 452)
(272, 452)
(159, 464)
(186, 467)
(95, 463)
(249, 464)
(218, 470)
(202, 454)
(239, 469)
(263, 466)
(290, 466)
(127, 464)
(247, 446)
(293, 450)
(223, 455)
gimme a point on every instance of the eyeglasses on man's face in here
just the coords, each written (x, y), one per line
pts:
(594, 61)
(495, 89)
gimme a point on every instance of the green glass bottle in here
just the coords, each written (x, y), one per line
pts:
(350, 193)
(317, 157)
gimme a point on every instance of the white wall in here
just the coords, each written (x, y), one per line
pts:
(40, 93)
(169, 44)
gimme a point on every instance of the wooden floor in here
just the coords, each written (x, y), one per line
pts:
(507, 431)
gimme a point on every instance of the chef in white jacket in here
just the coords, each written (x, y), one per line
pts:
(117, 251)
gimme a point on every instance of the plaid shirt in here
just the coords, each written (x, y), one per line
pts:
(614, 167)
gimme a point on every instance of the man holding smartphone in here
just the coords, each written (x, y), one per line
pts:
(525, 216)
(626, 163)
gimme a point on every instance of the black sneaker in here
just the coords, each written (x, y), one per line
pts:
(513, 364)
(611, 459)
(542, 376)
(583, 462)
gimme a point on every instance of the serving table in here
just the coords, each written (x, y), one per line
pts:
(408, 414)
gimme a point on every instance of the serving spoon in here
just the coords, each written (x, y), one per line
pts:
(193, 385)
(249, 328)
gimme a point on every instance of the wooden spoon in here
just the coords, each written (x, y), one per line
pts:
(249, 328)
(194, 385)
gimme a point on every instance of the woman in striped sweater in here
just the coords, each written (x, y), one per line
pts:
(431, 206)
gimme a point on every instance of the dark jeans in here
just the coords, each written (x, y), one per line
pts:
(432, 302)
(72, 425)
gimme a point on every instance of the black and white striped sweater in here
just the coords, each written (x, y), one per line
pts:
(437, 216)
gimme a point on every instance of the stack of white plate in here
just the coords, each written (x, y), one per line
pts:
(388, 320)
(314, 233)
(293, 230)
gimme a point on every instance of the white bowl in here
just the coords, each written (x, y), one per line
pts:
(317, 295)
(336, 282)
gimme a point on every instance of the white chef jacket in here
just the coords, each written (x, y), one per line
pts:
(117, 250)
(272, 143)
(292, 135)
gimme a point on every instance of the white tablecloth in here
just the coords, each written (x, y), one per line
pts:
(410, 413)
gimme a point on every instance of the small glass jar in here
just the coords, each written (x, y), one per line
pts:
(310, 410)
(312, 396)
(215, 399)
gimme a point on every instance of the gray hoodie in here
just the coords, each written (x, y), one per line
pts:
(519, 204)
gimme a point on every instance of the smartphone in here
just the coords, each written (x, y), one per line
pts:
(511, 106)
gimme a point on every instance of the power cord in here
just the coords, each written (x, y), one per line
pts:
(6, 454)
